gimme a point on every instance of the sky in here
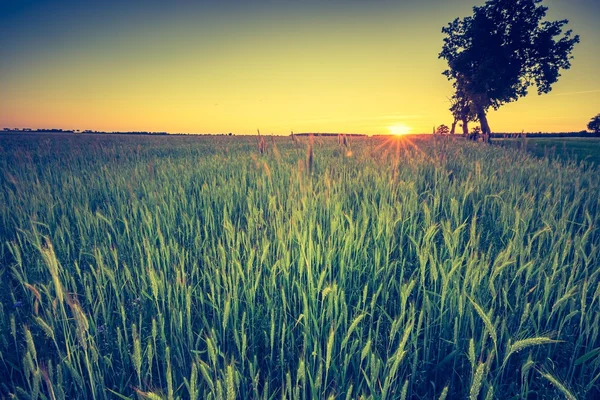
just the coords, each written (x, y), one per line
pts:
(352, 66)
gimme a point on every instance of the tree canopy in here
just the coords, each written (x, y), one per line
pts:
(594, 124)
(506, 46)
(442, 130)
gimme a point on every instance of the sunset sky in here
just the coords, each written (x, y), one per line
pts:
(279, 65)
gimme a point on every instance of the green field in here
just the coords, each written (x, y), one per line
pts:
(576, 148)
(197, 268)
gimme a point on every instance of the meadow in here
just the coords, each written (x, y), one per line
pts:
(380, 268)
(565, 148)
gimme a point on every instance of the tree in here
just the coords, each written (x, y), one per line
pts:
(594, 124)
(506, 46)
(442, 130)
(462, 110)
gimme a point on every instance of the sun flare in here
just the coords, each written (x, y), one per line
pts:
(400, 129)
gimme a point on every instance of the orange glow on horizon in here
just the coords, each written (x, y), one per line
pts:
(400, 129)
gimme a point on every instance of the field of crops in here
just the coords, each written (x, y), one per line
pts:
(566, 148)
(199, 268)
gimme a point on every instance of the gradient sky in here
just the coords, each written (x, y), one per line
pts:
(235, 66)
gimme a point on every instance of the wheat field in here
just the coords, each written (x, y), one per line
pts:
(231, 268)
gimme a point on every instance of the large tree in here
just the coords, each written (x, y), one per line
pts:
(506, 46)
(594, 124)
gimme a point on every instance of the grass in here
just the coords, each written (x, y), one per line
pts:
(579, 149)
(199, 267)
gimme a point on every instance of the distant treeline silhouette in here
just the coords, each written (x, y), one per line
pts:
(499, 135)
(77, 131)
(330, 134)
(123, 133)
(55, 130)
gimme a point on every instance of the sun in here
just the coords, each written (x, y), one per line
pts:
(399, 129)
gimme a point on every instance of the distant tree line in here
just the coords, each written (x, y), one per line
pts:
(77, 131)
(87, 131)
(330, 134)
(56, 130)
(544, 135)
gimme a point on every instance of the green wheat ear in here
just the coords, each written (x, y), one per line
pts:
(559, 385)
(525, 343)
(230, 383)
(486, 321)
(477, 381)
(444, 394)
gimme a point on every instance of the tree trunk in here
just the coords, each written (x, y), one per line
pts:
(485, 127)
(465, 127)
(453, 126)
